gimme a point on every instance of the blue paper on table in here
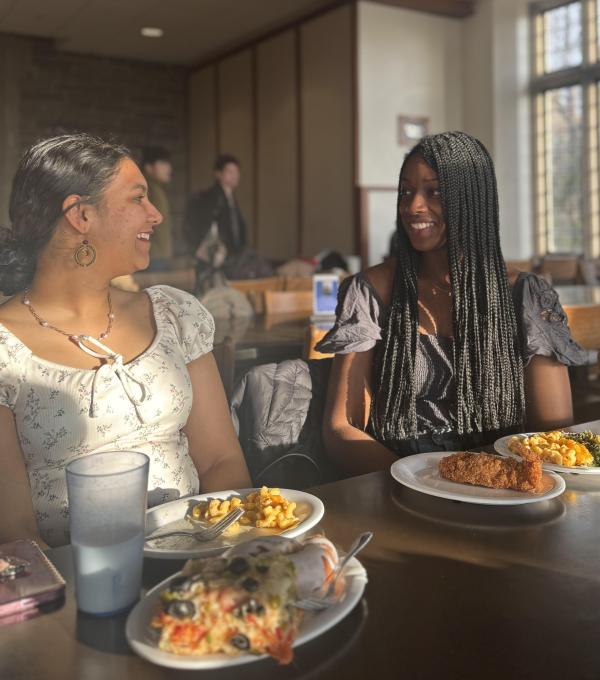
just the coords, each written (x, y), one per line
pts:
(325, 290)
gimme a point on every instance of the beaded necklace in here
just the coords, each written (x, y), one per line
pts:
(75, 338)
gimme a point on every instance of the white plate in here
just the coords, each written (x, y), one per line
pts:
(420, 472)
(501, 445)
(173, 516)
(140, 638)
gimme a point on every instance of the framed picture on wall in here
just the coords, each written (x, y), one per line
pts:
(411, 129)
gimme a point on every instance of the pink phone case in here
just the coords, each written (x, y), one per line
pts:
(31, 591)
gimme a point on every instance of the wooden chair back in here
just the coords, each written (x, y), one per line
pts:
(560, 269)
(224, 354)
(584, 322)
(297, 283)
(185, 279)
(255, 289)
(589, 270)
(520, 265)
(288, 301)
(314, 335)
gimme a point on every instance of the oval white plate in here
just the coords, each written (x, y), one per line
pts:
(420, 472)
(501, 446)
(140, 639)
(172, 516)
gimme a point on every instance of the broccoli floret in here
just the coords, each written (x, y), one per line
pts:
(590, 440)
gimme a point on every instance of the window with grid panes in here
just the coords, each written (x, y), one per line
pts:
(565, 89)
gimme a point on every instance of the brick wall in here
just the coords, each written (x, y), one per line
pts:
(136, 103)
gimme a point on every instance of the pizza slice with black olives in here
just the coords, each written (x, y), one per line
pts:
(243, 602)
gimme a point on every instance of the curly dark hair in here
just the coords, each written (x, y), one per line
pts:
(48, 172)
(488, 365)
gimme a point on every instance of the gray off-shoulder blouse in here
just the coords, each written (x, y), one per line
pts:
(360, 317)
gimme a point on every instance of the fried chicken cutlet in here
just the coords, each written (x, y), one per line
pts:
(483, 469)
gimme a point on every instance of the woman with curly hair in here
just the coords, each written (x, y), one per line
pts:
(440, 347)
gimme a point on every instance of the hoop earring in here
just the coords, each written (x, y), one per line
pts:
(85, 254)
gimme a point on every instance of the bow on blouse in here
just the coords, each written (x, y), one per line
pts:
(114, 363)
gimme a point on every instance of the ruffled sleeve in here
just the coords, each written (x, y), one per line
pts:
(12, 356)
(8, 394)
(358, 314)
(544, 327)
(193, 324)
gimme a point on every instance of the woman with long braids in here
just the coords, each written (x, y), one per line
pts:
(440, 347)
(87, 368)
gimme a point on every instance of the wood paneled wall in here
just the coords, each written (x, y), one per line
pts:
(284, 106)
(327, 132)
(203, 128)
(236, 123)
(277, 147)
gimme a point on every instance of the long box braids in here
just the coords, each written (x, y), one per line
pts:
(488, 365)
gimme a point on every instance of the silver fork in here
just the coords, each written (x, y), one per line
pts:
(317, 604)
(203, 535)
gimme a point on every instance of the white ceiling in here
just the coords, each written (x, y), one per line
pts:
(194, 30)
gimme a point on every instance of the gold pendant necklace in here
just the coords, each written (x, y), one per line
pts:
(75, 338)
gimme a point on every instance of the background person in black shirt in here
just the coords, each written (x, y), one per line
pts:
(217, 205)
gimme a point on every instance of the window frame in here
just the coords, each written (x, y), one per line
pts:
(587, 75)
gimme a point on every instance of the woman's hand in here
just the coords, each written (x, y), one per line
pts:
(347, 414)
(214, 446)
(17, 518)
(547, 395)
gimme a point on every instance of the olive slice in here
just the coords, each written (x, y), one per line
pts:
(250, 584)
(181, 609)
(254, 607)
(239, 565)
(250, 606)
(240, 641)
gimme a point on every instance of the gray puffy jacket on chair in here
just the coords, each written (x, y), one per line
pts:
(277, 410)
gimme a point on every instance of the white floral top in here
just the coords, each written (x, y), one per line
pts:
(63, 413)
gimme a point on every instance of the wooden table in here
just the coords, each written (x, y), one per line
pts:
(456, 591)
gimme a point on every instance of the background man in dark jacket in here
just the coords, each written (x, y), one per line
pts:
(217, 205)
